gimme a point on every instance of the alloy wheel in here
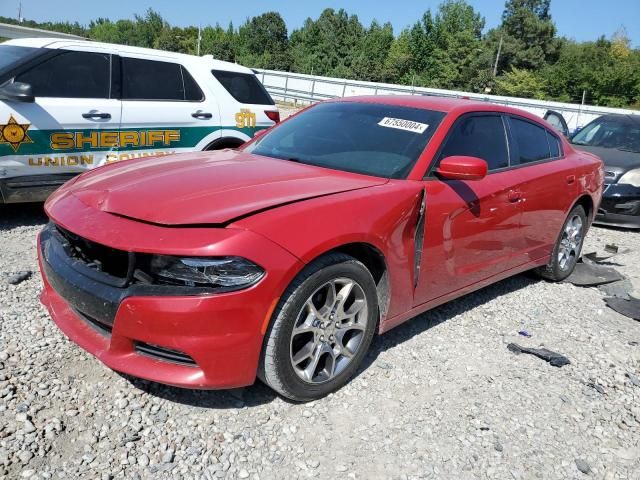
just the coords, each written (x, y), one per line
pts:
(571, 242)
(329, 330)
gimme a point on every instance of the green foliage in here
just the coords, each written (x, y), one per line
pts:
(445, 48)
(521, 83)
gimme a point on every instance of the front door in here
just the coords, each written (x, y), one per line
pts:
(71, 126)
(472, 227)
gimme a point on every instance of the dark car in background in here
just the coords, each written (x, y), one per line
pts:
(616, 140)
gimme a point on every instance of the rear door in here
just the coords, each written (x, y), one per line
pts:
(250, 107)
(72, 125)
(164, 109)
(548, 186)
(472, 227)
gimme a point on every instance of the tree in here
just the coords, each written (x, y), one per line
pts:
(528, 35)
(521, 83)
(263, 42)
(372, 53)
(328, 45)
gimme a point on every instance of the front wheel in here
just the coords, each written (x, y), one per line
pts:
(568, 247)
(321, 330)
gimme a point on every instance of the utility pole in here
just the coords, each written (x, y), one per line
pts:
(199, 40)
(20, 13)
(495, 67)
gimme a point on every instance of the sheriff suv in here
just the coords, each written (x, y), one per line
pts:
(70, 106)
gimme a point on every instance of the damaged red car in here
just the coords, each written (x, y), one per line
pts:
(281, 260)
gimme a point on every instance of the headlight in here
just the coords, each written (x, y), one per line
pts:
(632, 177)
(225, 273)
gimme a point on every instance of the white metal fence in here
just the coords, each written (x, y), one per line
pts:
(305, 89)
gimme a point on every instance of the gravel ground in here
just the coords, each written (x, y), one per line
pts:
(439, 397)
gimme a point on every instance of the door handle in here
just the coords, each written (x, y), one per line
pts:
(514, 196)
(203, 115)
(90, 115)
(571, 179)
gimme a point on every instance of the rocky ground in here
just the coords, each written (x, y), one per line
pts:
(439, 397)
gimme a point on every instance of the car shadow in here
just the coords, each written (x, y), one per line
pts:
(259, 393)
(21, 215)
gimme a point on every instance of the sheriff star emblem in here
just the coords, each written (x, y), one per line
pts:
(14, 133)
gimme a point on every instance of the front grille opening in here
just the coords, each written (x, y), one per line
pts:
(101, 327)
(164, 354)
(99, 257)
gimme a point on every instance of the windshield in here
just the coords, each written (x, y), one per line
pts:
(10, 55)
(368, 138)
(621, 133)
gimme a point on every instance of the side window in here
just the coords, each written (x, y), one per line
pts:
(71, 75)
(554, 145)
(531, 141)
(154, 80)
(479, 136)
(192, 92)
(244, 87)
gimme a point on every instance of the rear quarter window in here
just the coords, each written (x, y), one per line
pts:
(531, 141)
(244, 87)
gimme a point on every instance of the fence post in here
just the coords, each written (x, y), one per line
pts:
(313, 89)
(344, 89)
(286, 86)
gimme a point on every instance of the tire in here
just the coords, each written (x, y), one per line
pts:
(287, 360)
(561, 266)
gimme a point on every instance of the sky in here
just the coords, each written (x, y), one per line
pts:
(577, 19)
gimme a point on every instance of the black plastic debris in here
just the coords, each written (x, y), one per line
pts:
(620, 289)
(611, 248)
(19, 277)
(629, 307)
(555, 359)
(591, 275)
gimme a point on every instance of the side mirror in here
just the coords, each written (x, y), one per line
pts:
(17, 92)
(462, 168)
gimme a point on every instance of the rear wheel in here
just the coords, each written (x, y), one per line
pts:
(321, 330)
(568, 247)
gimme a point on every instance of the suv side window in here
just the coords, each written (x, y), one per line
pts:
(154, 80)
(532, 142)
(71, 75)
(481, 136)
(244, 87)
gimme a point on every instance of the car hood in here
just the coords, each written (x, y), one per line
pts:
(622, 161)
(201, 188)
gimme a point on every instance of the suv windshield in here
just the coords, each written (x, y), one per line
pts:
(368, 138)
(622, 133)
(10, 55)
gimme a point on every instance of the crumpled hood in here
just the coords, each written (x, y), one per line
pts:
(203, 187)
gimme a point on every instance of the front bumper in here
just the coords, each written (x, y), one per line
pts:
(198, 340)
(620, 206)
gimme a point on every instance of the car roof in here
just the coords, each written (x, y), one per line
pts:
(626, 119)
(57, 43)
(441, 104)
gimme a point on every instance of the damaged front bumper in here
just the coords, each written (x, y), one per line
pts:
(620, 206)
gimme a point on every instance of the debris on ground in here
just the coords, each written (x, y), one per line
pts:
(555, 359)
(524, 333)
(19, 277)
(620, 289)
(592, 275)
(583, 466)
(611, 248)
(629, 307)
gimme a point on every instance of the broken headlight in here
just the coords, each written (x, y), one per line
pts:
(224, 273)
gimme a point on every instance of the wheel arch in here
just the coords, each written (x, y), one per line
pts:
(225, 142)
(374, 260)
(585, 201)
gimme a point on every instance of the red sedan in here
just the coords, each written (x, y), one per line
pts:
(282, 259)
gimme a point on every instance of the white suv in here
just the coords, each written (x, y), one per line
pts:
(69, 106)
